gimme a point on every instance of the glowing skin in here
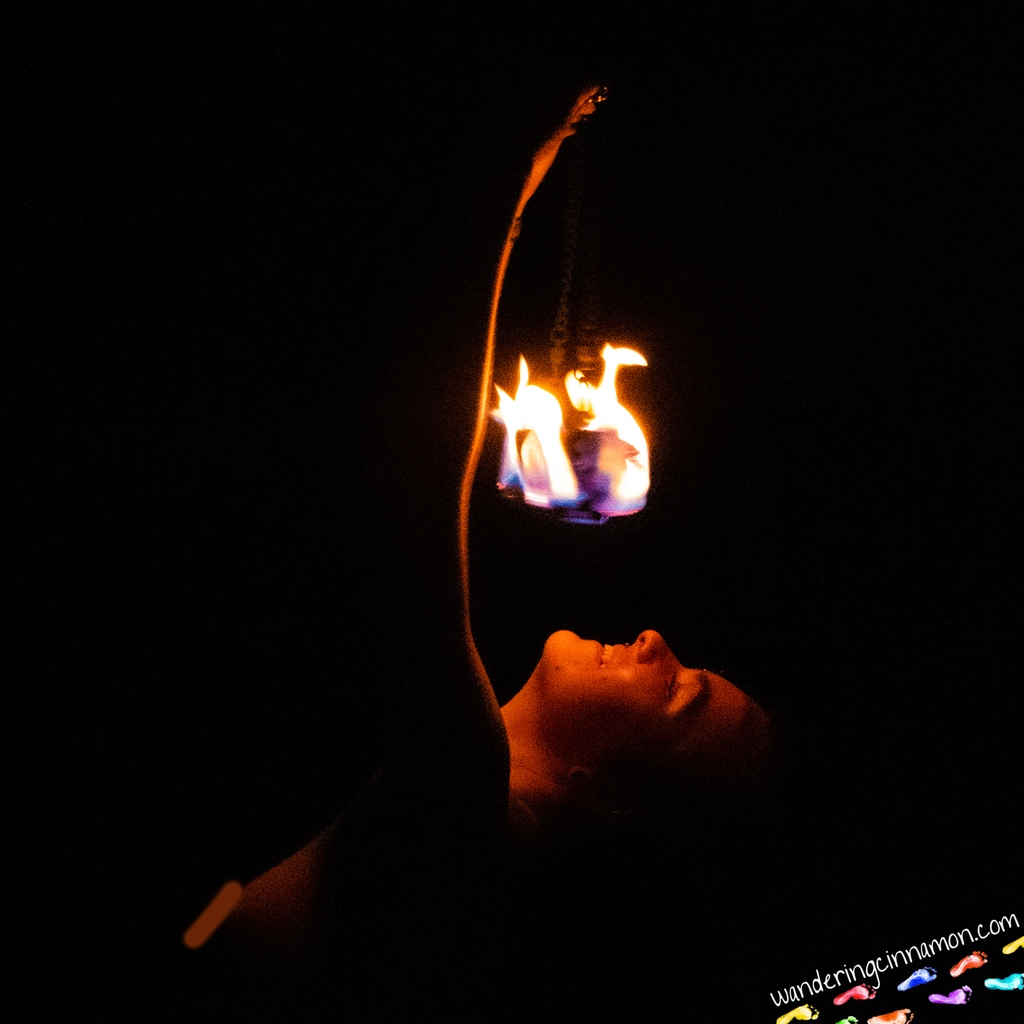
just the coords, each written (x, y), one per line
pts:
(588, 702)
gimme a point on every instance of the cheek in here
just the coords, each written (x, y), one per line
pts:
(617, 723)
(591, 693)
(591, 717)
(720, 739)
(734, 705)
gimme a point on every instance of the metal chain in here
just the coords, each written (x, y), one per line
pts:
(560, 332)
(588, 356)
(578, 313)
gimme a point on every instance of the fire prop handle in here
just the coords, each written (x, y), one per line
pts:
(585, 105)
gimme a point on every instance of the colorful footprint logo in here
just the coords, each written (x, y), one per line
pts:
(1014, 981)
(975, 959)
(805, 1012)
(896, 1017)
(1011, 947)
(957, 997)
(921, 976)
(857, 992)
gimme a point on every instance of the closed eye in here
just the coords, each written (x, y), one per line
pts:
(687, 690)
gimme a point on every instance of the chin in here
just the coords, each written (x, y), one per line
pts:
(566, 645)
(564, 636)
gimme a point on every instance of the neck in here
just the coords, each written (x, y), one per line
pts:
(533, 777)
(538, 779)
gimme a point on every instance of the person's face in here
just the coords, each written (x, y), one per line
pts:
(599, 700)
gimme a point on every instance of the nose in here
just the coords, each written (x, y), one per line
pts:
(650, 647)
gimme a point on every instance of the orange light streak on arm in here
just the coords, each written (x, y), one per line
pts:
(545, 156)
(542, 161)
(213, 916)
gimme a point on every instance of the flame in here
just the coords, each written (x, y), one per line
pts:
(630, 471)
(543, 471)
(607, 472)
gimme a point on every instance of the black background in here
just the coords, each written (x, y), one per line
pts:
(254, 237)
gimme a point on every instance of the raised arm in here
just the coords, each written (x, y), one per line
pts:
(430, 825)
(585, 105)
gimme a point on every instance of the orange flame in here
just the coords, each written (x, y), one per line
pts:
(542, 468)
(608, 470)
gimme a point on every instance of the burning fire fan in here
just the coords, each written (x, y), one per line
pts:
(590, 472)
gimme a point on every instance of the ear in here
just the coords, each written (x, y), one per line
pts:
(601, 792)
